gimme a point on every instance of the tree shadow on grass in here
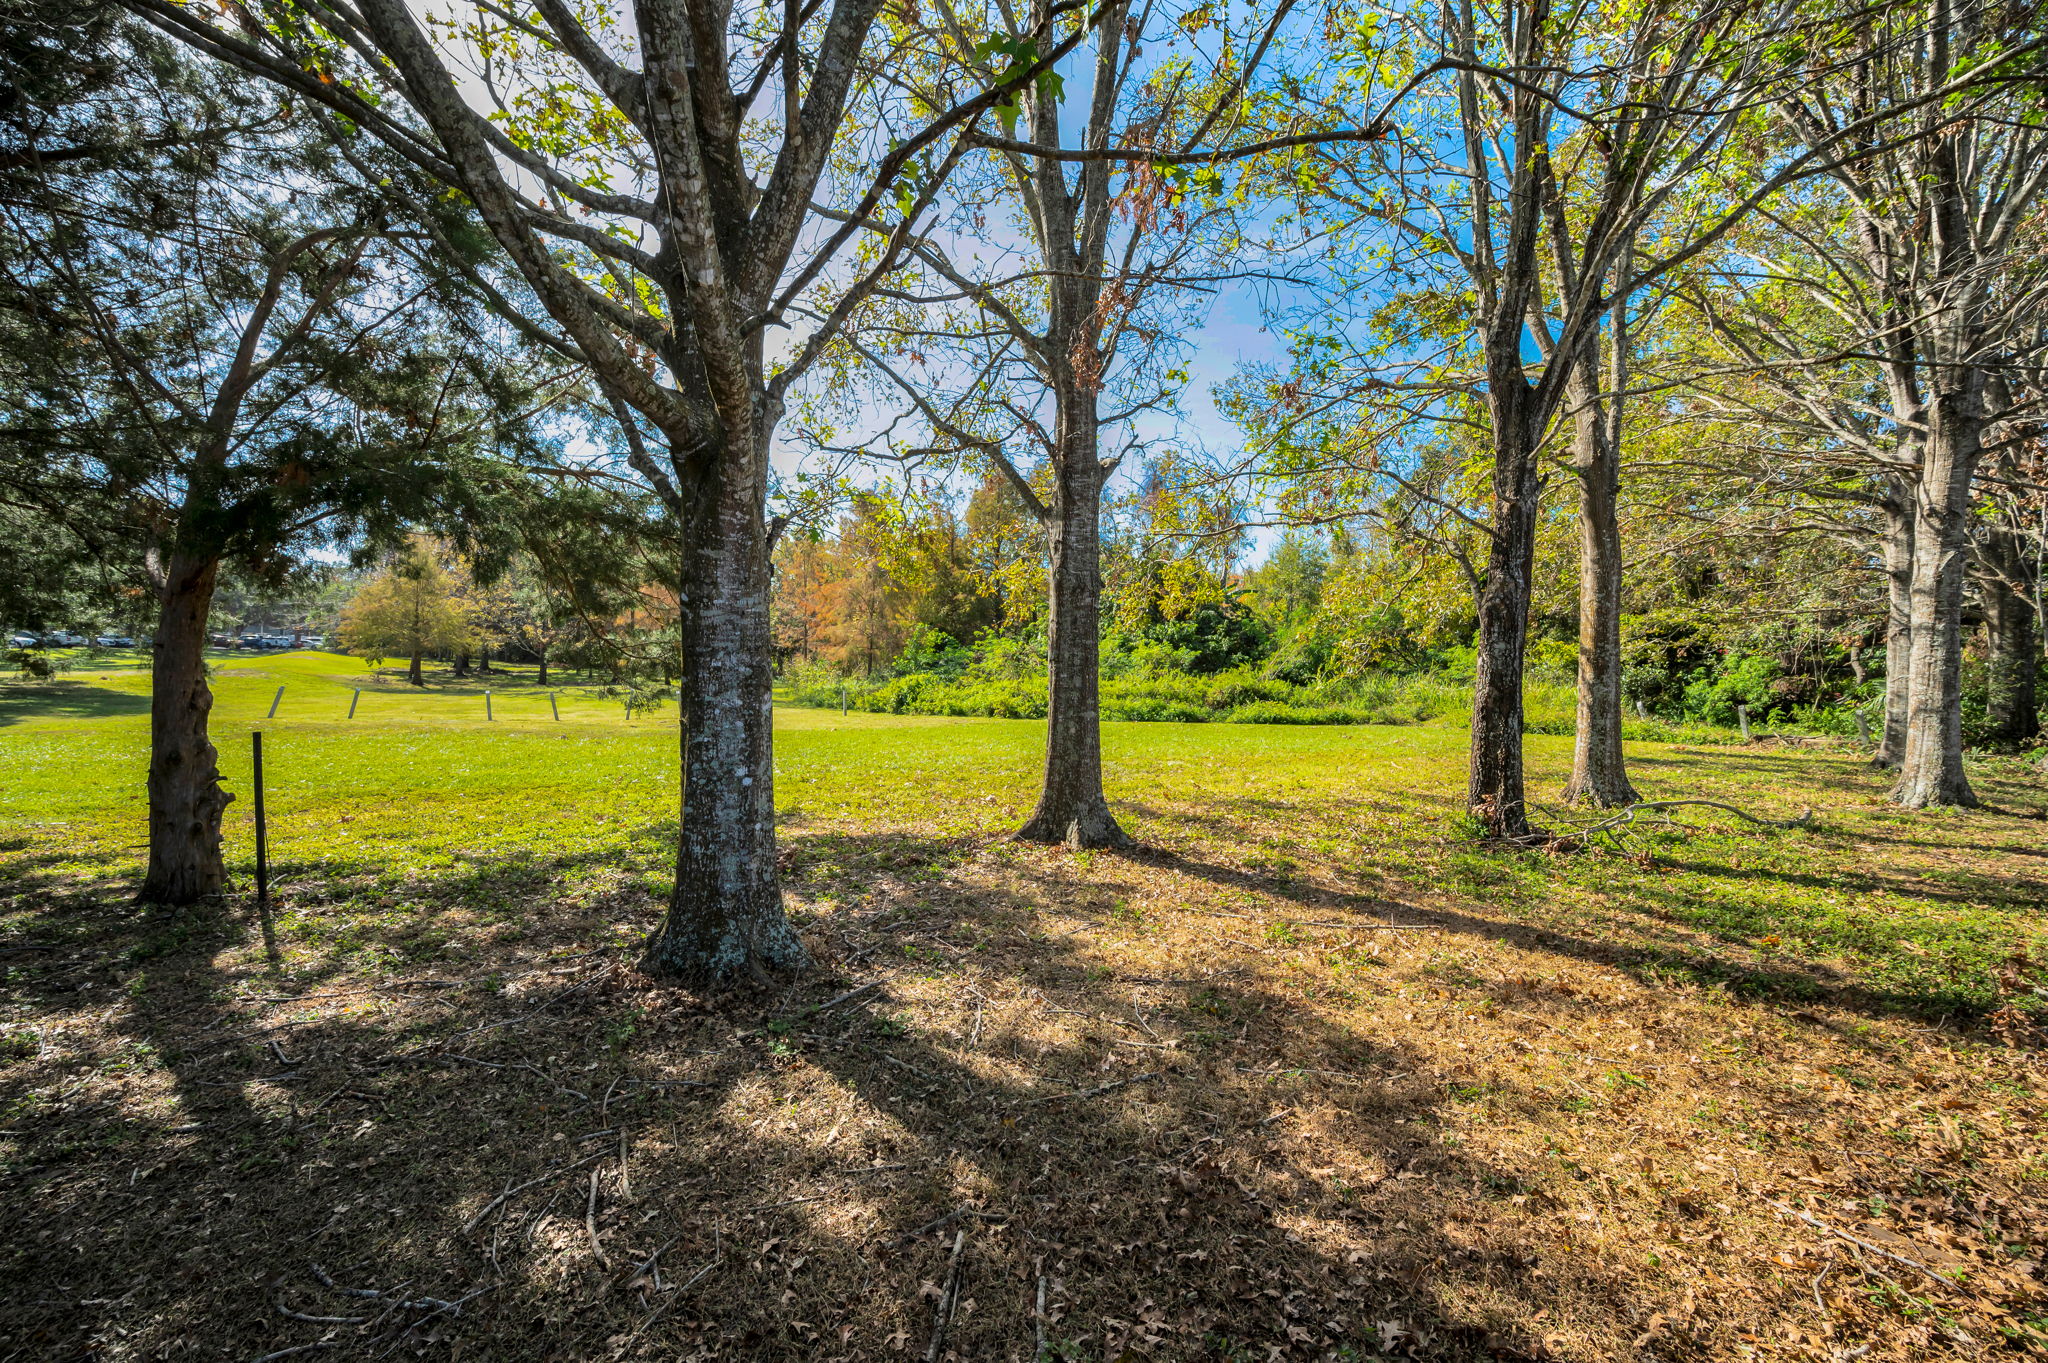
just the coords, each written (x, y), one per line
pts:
(21, 703)
(1652, 962)
(1180, 1183)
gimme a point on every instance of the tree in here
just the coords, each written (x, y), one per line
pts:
(411, 608)
(1936, 206)
(1555, 165)
(1064, 338)
(663, 215)
(222, 347)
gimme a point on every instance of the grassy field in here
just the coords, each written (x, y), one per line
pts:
(1313, 1076)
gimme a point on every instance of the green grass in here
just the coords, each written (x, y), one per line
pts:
(420, 796)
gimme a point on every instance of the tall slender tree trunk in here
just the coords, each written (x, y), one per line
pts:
(1599, 771)
(2012, 653)
(1932, 770)
(725, 919)
(1495, 791)
(1898, 627)
(412, 671)
(1071, 807)
(185, 798)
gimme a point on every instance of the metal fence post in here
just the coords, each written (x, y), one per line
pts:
(354, 701)
(274, 701)
(262, 853)
(487, 704)
(556, 708)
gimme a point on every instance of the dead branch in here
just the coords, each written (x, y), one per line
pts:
(949, 1299)
(499, 1200)
(1623, 818)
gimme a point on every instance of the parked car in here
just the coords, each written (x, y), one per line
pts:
(22, 641)
(64, 639)
(114, 641)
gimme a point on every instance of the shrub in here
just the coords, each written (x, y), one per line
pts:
(34, 663)
(1276, 712)
(1242, 687)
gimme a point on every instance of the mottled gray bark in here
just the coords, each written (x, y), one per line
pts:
(1599, 770)
(725, 920)
(1931, 772)
(185, 797)
(1071, 806)
(2012, 641)
(1898, 629)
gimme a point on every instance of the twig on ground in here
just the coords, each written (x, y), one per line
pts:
(938, 1222)
(499, 1200)
(1628, 816)
(1038, 1323)
(590, 1223)
(453, 1308)
(949, 1299)
(290, 1314)
(295, 1349)
(852, 993)
(647, 1266)
(1838, 1232)
(717, 1258)
(1095, 1092)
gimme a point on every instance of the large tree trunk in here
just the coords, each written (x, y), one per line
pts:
(412, 671)
(2012, 655)
(1599, 772)
(1071, 807)
(1932, 771)
(1495, 790)
(542, 679)
(1898, 628)
(185, 798)
(725, 919)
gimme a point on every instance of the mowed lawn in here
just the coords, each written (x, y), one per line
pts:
(1313, 1075)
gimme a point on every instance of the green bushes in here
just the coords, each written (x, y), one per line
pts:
(1151, 681)
(1237, 696)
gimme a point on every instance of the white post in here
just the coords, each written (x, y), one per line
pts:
(842, 700)
(1742, 718)
(1863, 726)
(487, 704)
(1641, 713)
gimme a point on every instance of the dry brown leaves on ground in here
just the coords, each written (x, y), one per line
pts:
(1149, 1107)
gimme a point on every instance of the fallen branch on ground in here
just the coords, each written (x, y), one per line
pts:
(499, 1200)
(1627, 816)
(949, 1301)
(1095, 1092)
(1837, 1231)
